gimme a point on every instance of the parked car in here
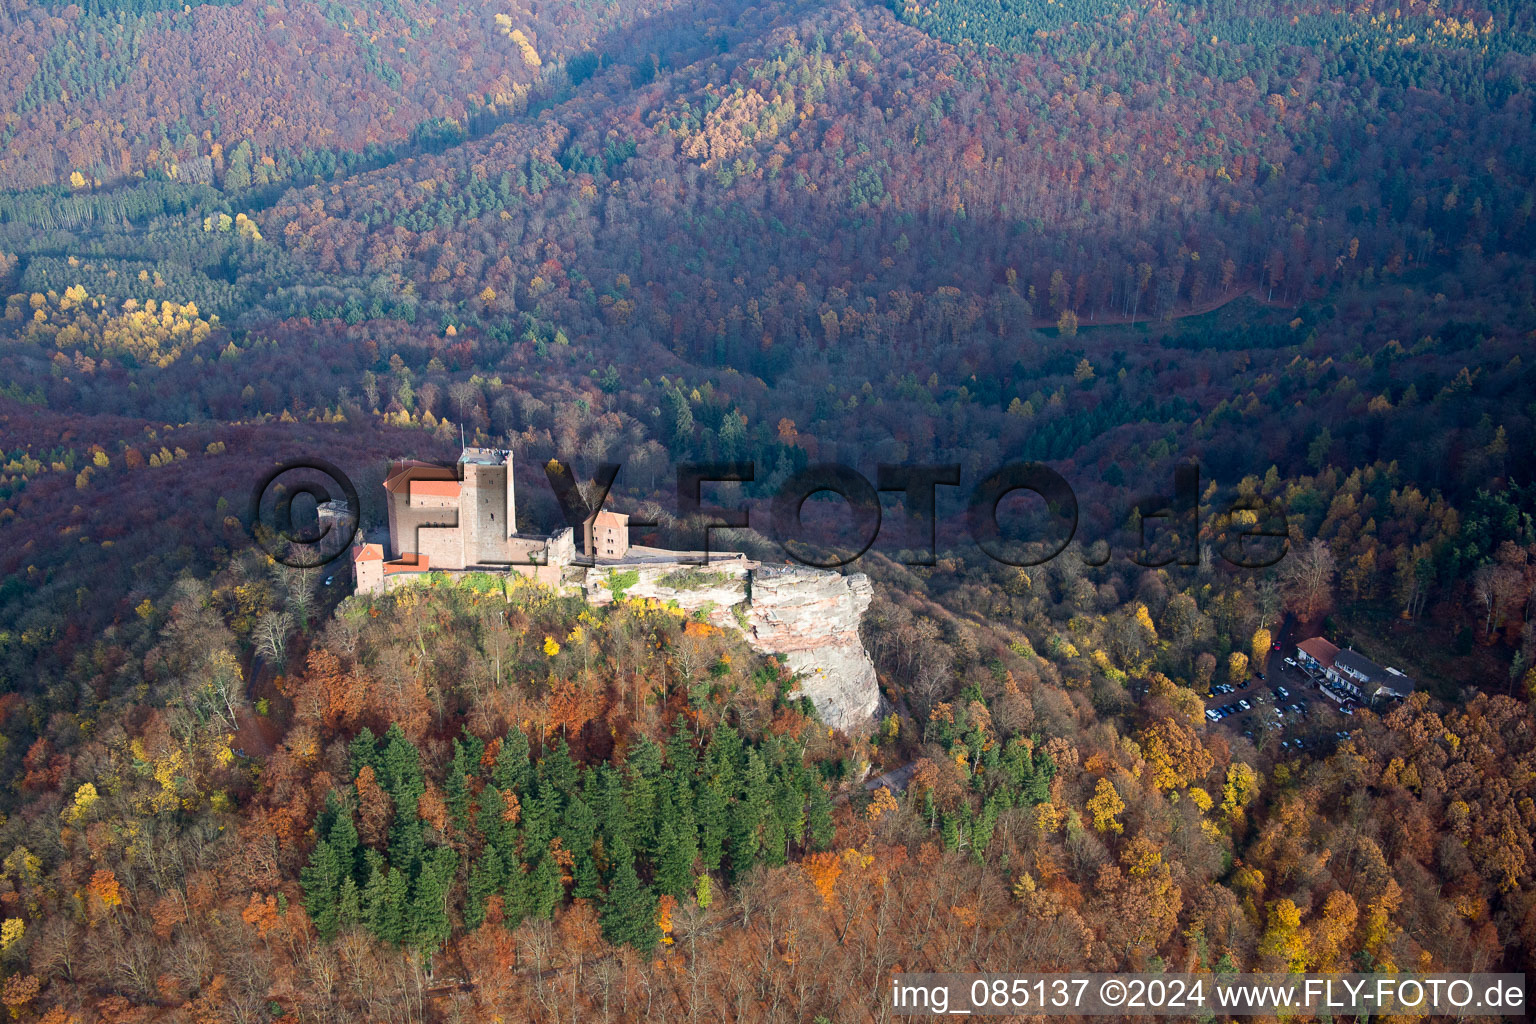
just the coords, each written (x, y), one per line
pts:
(1341, 735)
(1282, 691)
(1290, 662)
(1298, 744)
(1245, 705)
(1260, 675)
(1347, 709)
(1297, 708)
(1285, 744)
(1212, 715)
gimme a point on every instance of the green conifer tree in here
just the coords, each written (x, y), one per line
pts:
(429, 925)
(713, 819)
(818, 816)
(545, 890)
(513, 771)
(321, 881)
(744, 831)
(363, 750)
(485, 880)
(628, 907)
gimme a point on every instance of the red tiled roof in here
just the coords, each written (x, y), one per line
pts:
(408, 563)
(369, 553)
(606, 518)
(1321, 650)
(435, 488)
(401, 473)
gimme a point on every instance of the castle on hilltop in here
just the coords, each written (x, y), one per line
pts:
(464, 519)
(458, 520)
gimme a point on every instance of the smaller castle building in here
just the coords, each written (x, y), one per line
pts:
(607, 535)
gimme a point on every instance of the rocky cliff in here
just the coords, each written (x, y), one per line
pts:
(809, 616)
(812, 617)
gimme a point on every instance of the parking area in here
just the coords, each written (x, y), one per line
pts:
(1280, 708)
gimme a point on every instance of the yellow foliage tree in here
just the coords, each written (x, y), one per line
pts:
(1328, 936)
(1241, 788)
(1174, 753)
(85, 798)
(11, 933)
(882, 803)
(1261, 644)
(1283, 939)
(1048, 817)
(525, 48)
(1105, 805)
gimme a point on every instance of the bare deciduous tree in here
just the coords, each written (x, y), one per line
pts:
(271, 636)
(1306, 578)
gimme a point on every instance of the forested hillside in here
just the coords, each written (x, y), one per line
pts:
(1290, 242)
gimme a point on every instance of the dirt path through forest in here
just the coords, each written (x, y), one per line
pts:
(1209, 306)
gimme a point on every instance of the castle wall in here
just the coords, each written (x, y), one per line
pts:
(407, 537)
(545, 575)
(443, 546)
(561, 547)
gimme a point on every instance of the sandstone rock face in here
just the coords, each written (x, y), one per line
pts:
(811, 616)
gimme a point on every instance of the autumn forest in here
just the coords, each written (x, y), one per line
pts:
(1291, 243)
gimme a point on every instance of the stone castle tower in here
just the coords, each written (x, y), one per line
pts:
(459, 519)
